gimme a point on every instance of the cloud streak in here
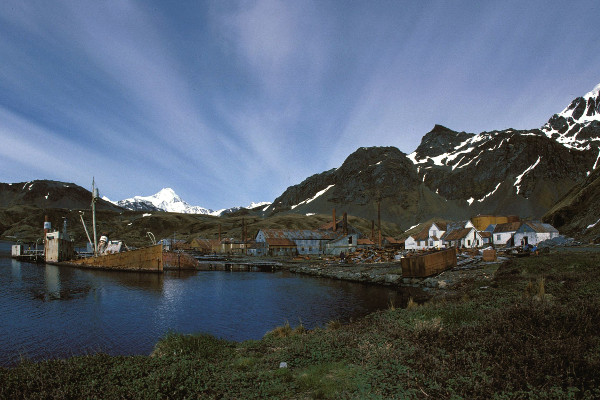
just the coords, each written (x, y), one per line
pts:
(231, 102)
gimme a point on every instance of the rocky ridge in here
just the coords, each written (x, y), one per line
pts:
(454, 175)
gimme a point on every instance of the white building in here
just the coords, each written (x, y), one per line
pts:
(534, 232)
(503, 233)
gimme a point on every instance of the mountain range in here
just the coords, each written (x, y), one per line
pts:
(167, 200)
(456, 175)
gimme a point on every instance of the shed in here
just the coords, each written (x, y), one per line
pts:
(532, 233)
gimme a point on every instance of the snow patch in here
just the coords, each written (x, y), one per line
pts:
(46, 196)
(593, 225)
(310, 214)
(517, 183)
(320, 193)
(146, 215)
(490, 193)
(597, 158)
(470, 201)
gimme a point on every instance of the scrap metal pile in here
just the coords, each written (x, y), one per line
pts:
(370, 256)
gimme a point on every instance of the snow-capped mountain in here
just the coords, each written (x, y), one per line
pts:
(457, 174)
(167, 200)
(578, 125)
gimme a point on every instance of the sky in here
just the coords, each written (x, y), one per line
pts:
(230, 102)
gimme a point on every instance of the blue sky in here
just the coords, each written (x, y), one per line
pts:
(229, 102)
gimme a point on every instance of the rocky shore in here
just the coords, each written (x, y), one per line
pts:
(390, 274)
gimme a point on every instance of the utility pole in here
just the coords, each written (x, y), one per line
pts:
(94, 199)
(379, 220)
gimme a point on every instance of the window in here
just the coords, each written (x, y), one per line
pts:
(431, 242)
(349, 239)
(497, 237)
(469, 242)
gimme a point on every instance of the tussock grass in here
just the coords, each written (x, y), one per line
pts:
(411, 304)
(333, 325)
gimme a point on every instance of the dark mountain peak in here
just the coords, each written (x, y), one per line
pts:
(49, 194)
(365, 157)
(440, 140)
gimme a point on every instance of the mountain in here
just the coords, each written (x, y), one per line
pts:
(167, 200)
(578, 212)
(455, 175)
(50, 194)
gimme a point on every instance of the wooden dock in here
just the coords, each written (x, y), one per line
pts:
(239, 266)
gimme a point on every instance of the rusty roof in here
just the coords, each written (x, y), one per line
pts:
(485, 234)
(457, 234)
(281, 242)
(507, 227)
(540, 227)
(329, 225)
(365, 242)
(423, 235)
(441, 225)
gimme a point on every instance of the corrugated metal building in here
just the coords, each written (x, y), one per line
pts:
(291, 242)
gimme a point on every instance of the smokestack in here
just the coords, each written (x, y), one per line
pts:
(244, 230)
(334, 221)
(345, 224)
(379, 221)
(373, 230)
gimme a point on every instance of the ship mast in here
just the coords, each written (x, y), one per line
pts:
(94, 199)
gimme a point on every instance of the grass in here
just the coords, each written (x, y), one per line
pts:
(534, 333)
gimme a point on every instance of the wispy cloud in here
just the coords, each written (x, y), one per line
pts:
(231, 102)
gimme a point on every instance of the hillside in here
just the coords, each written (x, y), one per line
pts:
(50, 194)
(578, 212)
(454, 175)
(25, 223)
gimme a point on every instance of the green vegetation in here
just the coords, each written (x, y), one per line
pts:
(533, 332)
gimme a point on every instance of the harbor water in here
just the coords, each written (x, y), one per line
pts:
(49, 311)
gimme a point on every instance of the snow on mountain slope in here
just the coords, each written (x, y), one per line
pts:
(578, 125)
(167, 200)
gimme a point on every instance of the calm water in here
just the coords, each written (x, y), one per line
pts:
(48, 311)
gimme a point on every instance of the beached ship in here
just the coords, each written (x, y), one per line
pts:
(110, 255)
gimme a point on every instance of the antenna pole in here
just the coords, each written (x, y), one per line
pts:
(94, 198)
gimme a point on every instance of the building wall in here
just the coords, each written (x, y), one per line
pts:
(308, 246)
(410, 243)
(504, 237)
(347, 244)
(533, 238)
(57, 248)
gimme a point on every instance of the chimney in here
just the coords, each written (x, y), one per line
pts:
(334, 221)
(373, 231)
(244, 230)
(345, 223)
(379, 221)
